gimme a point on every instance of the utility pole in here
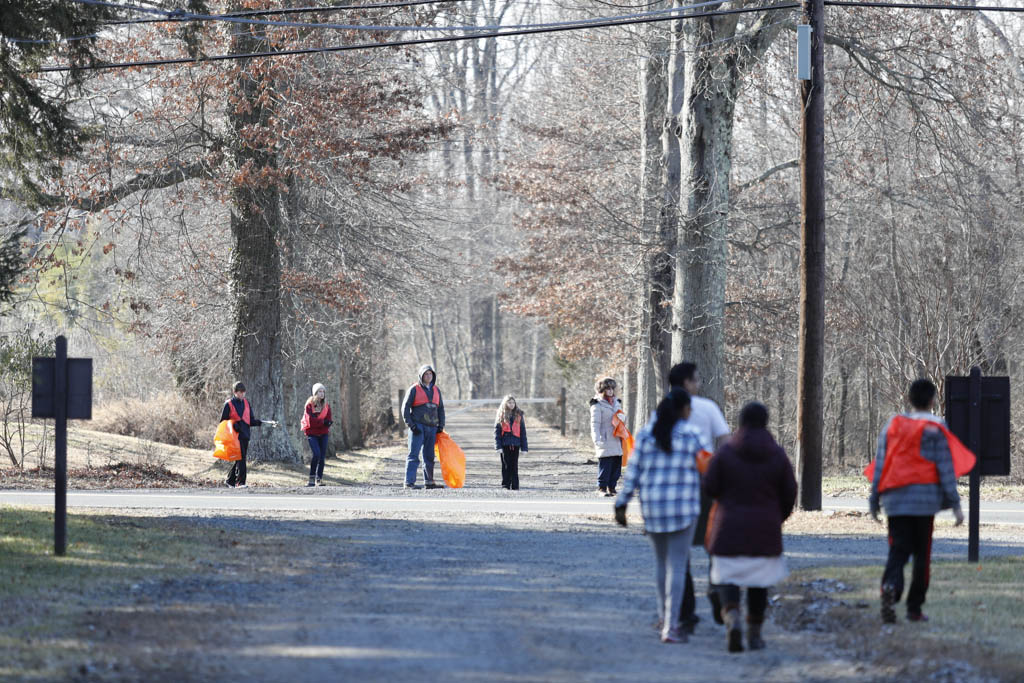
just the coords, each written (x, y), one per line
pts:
(811, 363)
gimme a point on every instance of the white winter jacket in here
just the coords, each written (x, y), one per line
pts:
(601, 429)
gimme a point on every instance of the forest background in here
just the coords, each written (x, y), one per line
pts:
(525, 213)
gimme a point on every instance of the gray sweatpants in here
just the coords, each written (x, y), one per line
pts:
(671, 551)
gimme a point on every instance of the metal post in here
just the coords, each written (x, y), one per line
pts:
(974, 438)
(561, 400)
(811, 353)
(60, 433)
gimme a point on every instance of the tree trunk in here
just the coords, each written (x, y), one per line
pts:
(255, 268)
(535, 364)
(844, 385)
(482, 352)
(706, 126)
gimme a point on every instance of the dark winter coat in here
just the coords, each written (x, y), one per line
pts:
(424, 414)
(752, 482)
(508, 439)
(241, 428)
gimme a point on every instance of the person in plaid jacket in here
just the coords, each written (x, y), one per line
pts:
(663, 472)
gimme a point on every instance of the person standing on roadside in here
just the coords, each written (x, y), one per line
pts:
(316, 423)
(754, 488)
(707, 418)
(914, 477)
(424, 415)
(605, 408)
(238, 410)
(662, 471)
(510, 441)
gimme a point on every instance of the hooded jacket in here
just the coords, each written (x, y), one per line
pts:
(423, 415)
(752, 481)
(504, 439)
(602, 431)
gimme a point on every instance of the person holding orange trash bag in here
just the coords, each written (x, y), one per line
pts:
(607, 429)
(239, 412)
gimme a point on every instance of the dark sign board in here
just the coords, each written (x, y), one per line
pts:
(994, 452)
(79, 388)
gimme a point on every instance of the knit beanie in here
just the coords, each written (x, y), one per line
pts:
(317, 387)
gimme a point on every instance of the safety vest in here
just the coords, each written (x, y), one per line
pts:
(904, 464)
(514, 428)
(304, 424)
(420, 396)
(246, 414)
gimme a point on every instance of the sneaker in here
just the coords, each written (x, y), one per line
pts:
(311, 482)
(888, 600)
(411, 486)
(611, 491)
(319, 482)
(917, 616)
(241, 486)
(602, 492)
(673, 636)
(229, 485)
(432, 485)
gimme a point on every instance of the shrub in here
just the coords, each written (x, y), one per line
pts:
(167, 418)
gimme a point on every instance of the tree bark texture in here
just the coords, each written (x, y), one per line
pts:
(255, 268)
(482, 352)
(705, 138)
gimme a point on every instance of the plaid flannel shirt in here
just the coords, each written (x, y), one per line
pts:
(668, 483)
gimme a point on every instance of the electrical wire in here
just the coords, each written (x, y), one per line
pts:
(410, 42)
(187, 16)
(927, 6)
(297, 10)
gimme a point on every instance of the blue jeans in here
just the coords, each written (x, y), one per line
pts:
(317, 444)
(423, 441)
(608, 471)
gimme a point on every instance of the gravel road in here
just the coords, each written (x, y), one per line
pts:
(465, 595)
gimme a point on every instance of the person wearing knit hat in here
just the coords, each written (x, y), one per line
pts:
(316, 423)
(240, 412)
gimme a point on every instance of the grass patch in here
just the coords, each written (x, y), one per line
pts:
(976, 614)
(857, 486)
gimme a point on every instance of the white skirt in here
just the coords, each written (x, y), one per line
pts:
(748, 572)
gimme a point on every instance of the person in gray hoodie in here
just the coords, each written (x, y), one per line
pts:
(424, 415)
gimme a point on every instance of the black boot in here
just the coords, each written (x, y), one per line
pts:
(734, 632)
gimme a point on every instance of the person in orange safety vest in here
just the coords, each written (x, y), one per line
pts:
(423, 413)
(510, 441)
(913, 477)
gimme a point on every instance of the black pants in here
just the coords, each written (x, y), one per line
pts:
(689, 607)
(609, 469)
(236, 475)
(757, 601)
(510, 467)
(909, 536)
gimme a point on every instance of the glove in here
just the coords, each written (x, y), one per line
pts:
(440, 429)
(620, 515)
(959, 514)
(415, 429)
(328, 423)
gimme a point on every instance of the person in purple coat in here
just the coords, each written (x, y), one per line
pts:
(751, 481)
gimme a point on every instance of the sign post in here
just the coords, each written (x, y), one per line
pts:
(978, 412)
(61, 389)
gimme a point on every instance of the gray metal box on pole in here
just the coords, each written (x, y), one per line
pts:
(803, 52)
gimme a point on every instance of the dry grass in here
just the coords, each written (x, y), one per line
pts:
(976, 617)
(857, 486)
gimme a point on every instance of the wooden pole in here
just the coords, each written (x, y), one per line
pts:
(811, 362)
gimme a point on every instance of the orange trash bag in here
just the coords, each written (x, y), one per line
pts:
(225, 442)
(453, 460)
(622, 433)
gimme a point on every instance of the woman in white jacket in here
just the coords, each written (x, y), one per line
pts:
(603, 407)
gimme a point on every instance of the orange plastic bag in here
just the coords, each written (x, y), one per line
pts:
(225, 442)
(453, 460)
(620, 431)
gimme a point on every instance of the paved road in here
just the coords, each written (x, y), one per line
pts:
(420, 501)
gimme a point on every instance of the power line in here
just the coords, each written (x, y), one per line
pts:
(330, 9)
(412, 41)
(187, 16)
(927, 6)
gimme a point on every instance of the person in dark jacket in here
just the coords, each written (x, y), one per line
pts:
(751, 481)
(510, 441)
(238, 410)
(424, 414)
(316, 423)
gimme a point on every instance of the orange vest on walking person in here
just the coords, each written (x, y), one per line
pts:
(246, 413)
(515, 428)
(904, 464)
(420, 396)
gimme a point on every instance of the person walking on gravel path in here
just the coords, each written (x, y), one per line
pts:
(510, 441)
(316, 423)
(238, 410)
(605, 410)
(914, 477)
(707, 417)
(752, 482)
(662, 471)
(424, 414)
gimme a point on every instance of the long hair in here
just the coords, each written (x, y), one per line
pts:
(667, 416)
(506, 414)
